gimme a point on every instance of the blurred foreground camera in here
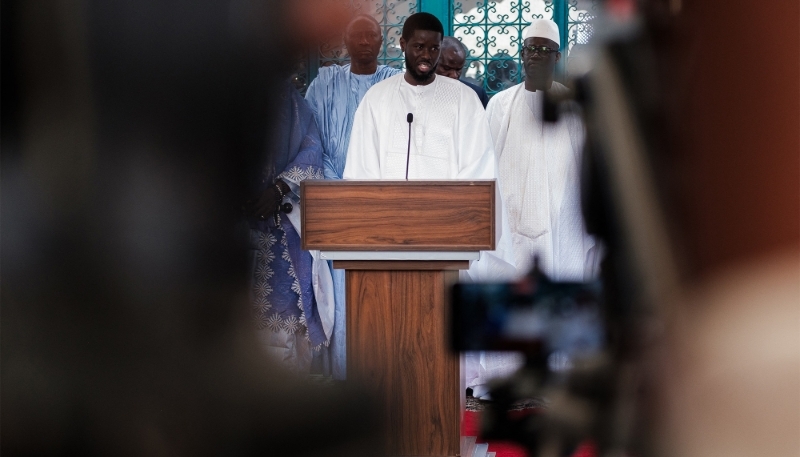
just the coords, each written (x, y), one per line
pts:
(533, 315)
(559, 327)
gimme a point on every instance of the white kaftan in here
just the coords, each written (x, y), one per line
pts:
(539, 167)
(450, 139)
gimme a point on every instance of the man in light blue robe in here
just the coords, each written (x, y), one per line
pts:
(334, 96)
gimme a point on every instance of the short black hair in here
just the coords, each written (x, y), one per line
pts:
(421, 21)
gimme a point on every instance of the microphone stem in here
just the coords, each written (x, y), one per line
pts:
(408, 153)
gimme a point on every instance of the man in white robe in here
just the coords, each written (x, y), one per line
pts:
(334, 96)
(450, 137)
(539, 166)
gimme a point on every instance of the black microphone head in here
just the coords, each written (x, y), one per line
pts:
(410, 118)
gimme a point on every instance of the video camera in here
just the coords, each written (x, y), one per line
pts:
(560, 329)
(533, 315)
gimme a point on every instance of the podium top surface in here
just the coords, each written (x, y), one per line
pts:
(357, 215)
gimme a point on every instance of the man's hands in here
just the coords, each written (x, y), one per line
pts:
(268, 202)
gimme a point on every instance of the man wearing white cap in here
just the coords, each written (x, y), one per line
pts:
(539, 166)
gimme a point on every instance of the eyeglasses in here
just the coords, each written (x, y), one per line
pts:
(543, 51)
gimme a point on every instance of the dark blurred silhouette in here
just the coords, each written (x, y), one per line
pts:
(129, 130)
(730, 177)
(715, 348)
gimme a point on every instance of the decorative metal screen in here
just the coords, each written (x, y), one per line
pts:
(492, 31)
(390, 15)
(579, 16)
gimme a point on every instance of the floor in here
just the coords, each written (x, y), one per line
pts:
(470, 449)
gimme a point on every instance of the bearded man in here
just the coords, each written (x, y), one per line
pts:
(539, 165)
(450, 137)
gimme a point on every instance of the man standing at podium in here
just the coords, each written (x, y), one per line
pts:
(418, 125)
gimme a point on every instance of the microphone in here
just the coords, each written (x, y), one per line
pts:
(409, 119)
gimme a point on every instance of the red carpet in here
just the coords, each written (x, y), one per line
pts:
(505, 449)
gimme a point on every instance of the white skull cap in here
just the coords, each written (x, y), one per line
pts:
(543, 28)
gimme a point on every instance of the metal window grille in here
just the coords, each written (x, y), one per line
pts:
(491, 30)
(579, 21)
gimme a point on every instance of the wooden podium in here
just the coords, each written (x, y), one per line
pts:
(402, 244)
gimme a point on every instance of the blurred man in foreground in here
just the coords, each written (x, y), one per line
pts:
(732, 377)
(128, 132)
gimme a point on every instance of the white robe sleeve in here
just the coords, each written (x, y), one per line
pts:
(475, 142)
(363, 153)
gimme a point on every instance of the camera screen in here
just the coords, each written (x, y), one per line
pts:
(533, 314)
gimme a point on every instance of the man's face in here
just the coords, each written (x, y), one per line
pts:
(363, 40)
(422, 53)
(540, 67)
(451, 63)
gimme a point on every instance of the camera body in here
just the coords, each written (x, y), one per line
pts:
(533, 315)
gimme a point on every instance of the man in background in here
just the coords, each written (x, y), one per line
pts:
(451, 64)
(334, 96)
(539, 164)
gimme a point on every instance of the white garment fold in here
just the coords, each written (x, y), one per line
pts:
(321, 278)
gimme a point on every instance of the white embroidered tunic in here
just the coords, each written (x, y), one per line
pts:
(450, 139)
(539, 167)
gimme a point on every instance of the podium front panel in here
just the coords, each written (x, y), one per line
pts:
(397, 348)
(398, 215)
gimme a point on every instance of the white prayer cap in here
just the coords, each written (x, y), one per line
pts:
(543, 28)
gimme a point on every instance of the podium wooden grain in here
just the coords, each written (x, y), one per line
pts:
(397, 310)
(398, 215)
(396, 345)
